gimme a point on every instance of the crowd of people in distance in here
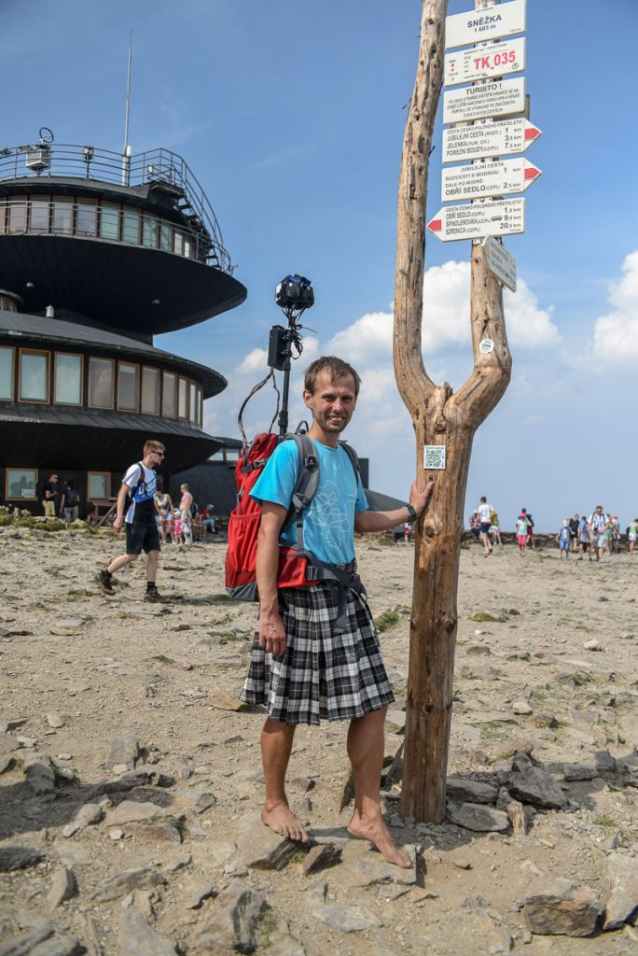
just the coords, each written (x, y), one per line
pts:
(594, 535)
(185, 525)
(591, 536)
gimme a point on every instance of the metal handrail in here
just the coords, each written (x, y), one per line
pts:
(159, 165)
(183, 241)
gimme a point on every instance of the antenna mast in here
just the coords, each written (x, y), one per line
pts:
(126, 161)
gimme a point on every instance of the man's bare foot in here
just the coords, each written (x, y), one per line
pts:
(280, 818)
(377, 833)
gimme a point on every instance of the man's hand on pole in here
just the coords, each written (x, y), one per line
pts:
(419, 499)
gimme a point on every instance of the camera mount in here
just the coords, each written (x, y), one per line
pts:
(293, 295)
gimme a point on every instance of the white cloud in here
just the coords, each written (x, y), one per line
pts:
(616, 334)
(254, 361)
(446, 319)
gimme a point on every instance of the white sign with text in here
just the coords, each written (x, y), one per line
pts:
(502, 20)
(498, 98)
(467, 66)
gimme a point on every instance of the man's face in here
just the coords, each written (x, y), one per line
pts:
(54, 479)
(333, 402)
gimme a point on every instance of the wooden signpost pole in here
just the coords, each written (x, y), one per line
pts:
(440, 417)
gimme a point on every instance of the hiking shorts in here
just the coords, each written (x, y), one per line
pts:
(142, 537)
(321, 675)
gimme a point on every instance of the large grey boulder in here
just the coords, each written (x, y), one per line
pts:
(40, 773)
(562, 908)
(234, 921)
(465, 790)
(531, 784)
(622, 878)
(144, 878)
(138, 939)
(260, 848)
(477, 817)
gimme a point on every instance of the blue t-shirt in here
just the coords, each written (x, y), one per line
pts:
(328, 522)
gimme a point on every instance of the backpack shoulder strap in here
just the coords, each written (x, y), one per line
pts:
(308, 477)
(352, 455)
(305, 487)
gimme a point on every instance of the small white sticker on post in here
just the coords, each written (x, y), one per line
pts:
(486, 346)
(434, 457)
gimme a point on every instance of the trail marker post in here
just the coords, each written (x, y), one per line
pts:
(445, 422)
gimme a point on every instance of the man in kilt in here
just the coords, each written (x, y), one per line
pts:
(317, 651)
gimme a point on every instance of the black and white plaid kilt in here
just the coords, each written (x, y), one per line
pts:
(321, 676)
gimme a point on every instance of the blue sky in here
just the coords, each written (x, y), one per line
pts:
(292, 116)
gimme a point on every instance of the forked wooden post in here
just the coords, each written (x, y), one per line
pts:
(439, 416)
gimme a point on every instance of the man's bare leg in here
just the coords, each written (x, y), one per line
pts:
(121, 562)
(365, 749)
(276, 745)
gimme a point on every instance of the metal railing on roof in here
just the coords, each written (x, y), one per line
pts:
(160, 165)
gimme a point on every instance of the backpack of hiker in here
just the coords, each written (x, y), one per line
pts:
(297, 566)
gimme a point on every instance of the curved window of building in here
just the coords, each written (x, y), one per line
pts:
(128, 387)
(193, 402)
(169, 395)
(166, 237)
(21, 484)
(63, 216)
(67, 386)
(39, 215)
(34, 376)
(201, 407)
(17, 215)
(179, 243)
(86, 218)
(101, 384)
(6, 374)
(131, 226)
(109, 221)
(150, 391)
(183, 398)
(150, 232)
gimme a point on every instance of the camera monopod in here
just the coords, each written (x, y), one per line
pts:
(293, 295)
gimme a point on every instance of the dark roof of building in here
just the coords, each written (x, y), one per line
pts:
(53, 436)
(50, 331)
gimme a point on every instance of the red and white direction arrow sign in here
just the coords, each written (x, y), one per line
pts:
(483, 180)
(466, 66)
(502, 138)
(499, 98)
(486, 24)
(479, 219)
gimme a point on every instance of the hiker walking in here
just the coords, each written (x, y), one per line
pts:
(599, 524)
(142, 534)
(316, 655)
(484, 512)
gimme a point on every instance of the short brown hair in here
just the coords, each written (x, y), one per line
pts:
(152, 445)
(335, 367)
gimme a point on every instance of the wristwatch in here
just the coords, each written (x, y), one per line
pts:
(412, 515)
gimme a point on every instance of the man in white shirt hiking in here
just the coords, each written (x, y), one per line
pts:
(142, 534)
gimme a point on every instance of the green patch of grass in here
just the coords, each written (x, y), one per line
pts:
(482, 617)
(602, 820)
(234, 638)
(298, 857)
(387, 620)
(520, 657)
(580, 678)
(159, 658)
(268, 925)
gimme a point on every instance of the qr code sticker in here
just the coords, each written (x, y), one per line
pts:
(434, 457)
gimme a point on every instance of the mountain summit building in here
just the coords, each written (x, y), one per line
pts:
(99, 252)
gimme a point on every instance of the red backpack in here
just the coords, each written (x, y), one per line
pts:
(297, 566)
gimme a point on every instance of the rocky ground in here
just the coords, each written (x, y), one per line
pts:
(130, 776)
